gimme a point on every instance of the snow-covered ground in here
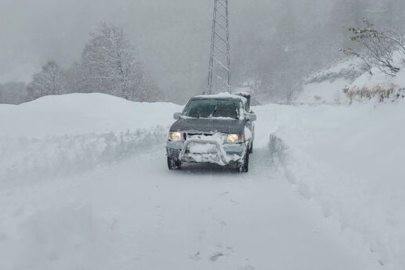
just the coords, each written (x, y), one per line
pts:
(358, 150)
(325, 192)
(326, 86)
(56, 136)
(345, 82)
(325, 92)
(349, 161)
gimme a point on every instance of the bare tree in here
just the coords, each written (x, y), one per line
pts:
(385, 50)
(51, 80)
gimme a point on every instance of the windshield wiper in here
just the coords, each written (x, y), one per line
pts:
(212, 114)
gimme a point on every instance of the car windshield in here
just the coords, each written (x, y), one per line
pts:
(212, 108)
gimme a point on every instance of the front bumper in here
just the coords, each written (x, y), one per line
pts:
(206, 151)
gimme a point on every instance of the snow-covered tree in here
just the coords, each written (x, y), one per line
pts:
(51, 80)
(77, 80)
(110, 65)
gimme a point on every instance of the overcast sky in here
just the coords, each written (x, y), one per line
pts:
(34, 31)
(173, 36)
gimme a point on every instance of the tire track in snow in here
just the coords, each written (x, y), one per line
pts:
(340, 198)
(205, 217)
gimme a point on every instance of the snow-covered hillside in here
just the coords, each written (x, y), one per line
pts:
(325, 190)
(344, 83)
(326, 86)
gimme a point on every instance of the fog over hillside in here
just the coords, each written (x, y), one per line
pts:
(275, 42)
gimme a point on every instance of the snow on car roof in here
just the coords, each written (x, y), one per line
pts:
(222, 96)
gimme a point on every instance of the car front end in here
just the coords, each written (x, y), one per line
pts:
(198, 147)
(212, 129)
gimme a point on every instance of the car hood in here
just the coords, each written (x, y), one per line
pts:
(209, 125)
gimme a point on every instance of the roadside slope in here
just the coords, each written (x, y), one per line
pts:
(348, 161)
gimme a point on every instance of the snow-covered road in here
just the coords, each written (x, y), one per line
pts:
(89, 189)
(139, 215)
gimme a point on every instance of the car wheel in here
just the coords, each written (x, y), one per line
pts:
(173, 163)
(244, 166)
(251, 148)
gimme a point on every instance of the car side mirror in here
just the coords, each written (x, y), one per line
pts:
(177, 115)
(251, 117)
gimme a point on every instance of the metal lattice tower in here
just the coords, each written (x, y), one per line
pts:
(219, 75)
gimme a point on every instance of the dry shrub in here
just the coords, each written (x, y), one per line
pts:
(392, 92)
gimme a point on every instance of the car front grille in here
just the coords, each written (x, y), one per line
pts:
(192, 134)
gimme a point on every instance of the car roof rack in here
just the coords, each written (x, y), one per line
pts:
(248, 98)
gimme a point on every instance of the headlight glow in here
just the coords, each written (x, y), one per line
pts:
(234, 138)
(175, 136)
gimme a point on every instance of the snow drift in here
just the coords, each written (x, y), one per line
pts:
(56, 136)
(29, 160)
(345, 82)
(81, 113)
(348, 160)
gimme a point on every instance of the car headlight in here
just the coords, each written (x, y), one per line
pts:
(234, 138)
(175, 136)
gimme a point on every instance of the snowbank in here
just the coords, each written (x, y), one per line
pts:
(344, 82)
(376, 79)
(25, 160)
(376, 85)
(349, 161)
(82, 113)
(57, 136)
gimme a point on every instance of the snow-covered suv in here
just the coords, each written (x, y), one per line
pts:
(213, 129)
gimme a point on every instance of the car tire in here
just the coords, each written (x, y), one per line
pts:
(173, 163)
(251, 148)
(244, 166)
